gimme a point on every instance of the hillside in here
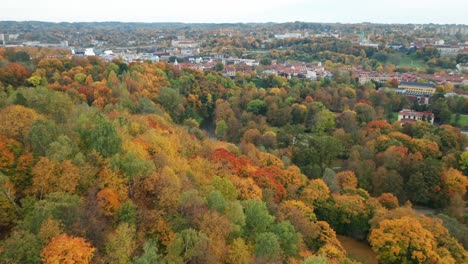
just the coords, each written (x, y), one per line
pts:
(105, 162)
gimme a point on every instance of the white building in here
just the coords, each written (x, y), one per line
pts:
(89, 52)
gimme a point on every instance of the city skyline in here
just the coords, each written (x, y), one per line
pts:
(243, 11)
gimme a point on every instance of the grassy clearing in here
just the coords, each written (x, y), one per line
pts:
(357, 250)
(462, 122)
(411, 61)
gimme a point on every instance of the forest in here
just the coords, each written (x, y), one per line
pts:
(109, 162)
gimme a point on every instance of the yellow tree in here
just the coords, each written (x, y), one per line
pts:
(52, 176)
(347, 179)
(403, 240)
(16, 121)
(67, 249)
(454, 181)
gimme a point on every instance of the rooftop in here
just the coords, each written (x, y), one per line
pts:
(415, 84)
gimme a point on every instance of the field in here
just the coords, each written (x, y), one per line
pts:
(411, 61)
(463, 122)
(357, 250)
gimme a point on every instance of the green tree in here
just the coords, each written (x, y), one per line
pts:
(131, 165)
(221, 129)
(42, 133)
(170, 99)
(464, 162)
(257, 106)
(150, 254)
(21, 247)
(127, 212)
(61, 149)
(267, 246)
(121, 244)
(257, 217)
(321, 119)
(216, 201)
(99, 134)
(315, 153)
(287, 237)
(189, 245)
(225, 186)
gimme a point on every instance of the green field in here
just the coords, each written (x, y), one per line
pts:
(463, 122)
(411, 61)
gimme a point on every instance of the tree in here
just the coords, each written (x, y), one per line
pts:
(287, 237)
(16, 121)
(61, 149)
(347, 179)
(150, 253)
(257, 217)
(257, 106)
(170, 99)
(108, 200)
(20, 247)
(365, 113)
(221, 129)
(189, 245)
(454, 182)
(99, 134)
(238, 252)
(121, 244)
(50, 228)
(267, 246)
(127, 212)
(216, 201)
(131, 165)
(14, 74)
(225, 186)
(315, 192)
(403, 240)
(315, 153)
(329, 177)
(388, 200)
(67, 249)
(52, 176)
(8, 207)
(42, 133)
(321, 119)
(464, 162)
(61, 207)
(219, 67)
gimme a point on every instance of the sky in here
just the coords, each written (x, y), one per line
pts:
(217, 11)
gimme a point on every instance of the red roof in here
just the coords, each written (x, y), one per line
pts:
(406, 112)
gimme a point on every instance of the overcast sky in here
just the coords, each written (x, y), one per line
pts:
(217, 11)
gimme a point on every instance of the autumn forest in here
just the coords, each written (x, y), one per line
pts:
(145, 162)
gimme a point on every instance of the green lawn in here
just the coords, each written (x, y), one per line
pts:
(463, 122)
(411, 61)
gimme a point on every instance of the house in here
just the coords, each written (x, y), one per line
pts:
(448, 51)
(185, 43)
(407, 116)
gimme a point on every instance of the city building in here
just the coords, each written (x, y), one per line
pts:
(418, 88)
(407, 116)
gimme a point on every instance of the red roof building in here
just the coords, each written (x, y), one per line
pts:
(407, 116)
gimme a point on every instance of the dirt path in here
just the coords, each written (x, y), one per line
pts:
(357, 250)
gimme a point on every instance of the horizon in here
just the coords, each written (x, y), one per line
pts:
(228, 23)
(243, 11)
